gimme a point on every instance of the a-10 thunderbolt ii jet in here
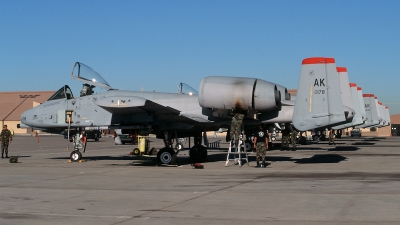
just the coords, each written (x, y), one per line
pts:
(188, 113)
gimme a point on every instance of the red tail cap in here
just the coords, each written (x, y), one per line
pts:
(318, 60)
(341, 69)
(368, 95)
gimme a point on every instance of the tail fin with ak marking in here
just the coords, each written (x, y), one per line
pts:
(318, 102)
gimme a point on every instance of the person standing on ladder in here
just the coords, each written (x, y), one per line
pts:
(236, 126)
(261, 146)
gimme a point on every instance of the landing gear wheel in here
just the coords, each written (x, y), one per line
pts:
(75, 156)
(198, 152)
(165, 156)
(248, 145)
(179, 146)
(302, 140)
(136, 151)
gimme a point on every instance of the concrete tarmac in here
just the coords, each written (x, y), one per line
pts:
(355, 182)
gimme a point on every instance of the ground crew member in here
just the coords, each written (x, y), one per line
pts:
(261, 145)
(236, 126)
(293, 139)
(285, 140)
(331, 137)
(6, 139)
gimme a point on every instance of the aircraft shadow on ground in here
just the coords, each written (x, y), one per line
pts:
(363, 143)
(330, 158)
(130, 160)
(98, 158)
(344, 148)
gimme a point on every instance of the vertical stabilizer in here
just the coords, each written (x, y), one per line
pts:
(344, 87)
(318, 102)
(347, 99)
(387, 116)
(371, 110)
(358, 102)
(358, 106)
(362, 105)
(382, 115)
(378, 111)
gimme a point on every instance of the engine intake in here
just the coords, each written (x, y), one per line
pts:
(238, 94)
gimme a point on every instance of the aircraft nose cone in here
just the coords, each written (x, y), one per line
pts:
(25, 119)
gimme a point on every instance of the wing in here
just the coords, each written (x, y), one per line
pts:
(135, 105)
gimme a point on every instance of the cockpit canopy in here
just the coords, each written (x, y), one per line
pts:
(186, 89)
(64, 92)
(88, 76)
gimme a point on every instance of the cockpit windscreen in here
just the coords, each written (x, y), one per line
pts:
(64, 92)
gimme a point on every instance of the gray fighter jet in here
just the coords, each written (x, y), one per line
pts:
(188, 113)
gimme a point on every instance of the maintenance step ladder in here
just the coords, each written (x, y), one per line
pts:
(237, 152)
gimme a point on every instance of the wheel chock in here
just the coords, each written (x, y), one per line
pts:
(197, 166)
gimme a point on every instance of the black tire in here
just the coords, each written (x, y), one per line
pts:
(302, 140)
(315, 138)
(248, 145)
(165, 156)
(136, 151)
(198, 152)
(75, 156)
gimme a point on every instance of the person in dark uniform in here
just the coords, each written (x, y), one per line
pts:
(331, 137)
(261, 145)
(293, 139)
(6, 139)
(285, 140)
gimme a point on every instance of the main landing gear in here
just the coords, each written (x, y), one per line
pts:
(198, 152)
(167, 155)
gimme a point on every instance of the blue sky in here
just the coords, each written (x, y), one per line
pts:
(154, 45)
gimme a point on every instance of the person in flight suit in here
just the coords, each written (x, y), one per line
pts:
(6, 139)
(261, 145)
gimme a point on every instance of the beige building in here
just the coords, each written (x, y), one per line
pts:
(13, 104)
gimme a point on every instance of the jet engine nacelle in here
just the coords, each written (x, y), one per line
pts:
(238, 94)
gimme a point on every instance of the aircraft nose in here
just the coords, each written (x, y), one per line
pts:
(25, 117)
